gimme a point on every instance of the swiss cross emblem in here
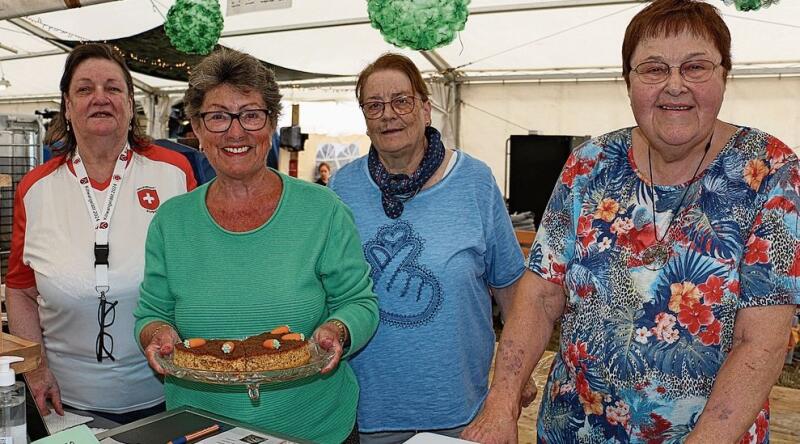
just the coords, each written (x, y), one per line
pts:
(148, 198)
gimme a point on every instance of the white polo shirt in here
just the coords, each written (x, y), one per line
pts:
(52, 248)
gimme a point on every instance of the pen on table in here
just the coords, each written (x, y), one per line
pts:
(194, 435)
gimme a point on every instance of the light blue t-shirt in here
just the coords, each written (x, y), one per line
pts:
(428, 364)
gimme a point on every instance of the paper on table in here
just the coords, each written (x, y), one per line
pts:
(433, 438)
(239, 435)
(56, 423)
(79, 434)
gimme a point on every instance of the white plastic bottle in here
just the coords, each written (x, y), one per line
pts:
(12, 404)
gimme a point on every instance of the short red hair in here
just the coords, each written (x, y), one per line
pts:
(391, 61)
(664, 18)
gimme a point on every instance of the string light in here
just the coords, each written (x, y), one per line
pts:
(143, 60)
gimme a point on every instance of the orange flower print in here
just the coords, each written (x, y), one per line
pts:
(607, 209)
(712, 290)
(574, 168)
(710, 336)
(794, 269)
(685, 293)
(592, 402)
(757, 251)
(754, 173)
(695, 316)
(777, 152)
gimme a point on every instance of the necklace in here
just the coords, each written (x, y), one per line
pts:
(655, 256)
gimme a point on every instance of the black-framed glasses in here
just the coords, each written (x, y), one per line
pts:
(220, 121)
(401, 105)
(106, 313)
(695, 71)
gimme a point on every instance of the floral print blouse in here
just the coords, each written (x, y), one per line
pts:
(641, 348)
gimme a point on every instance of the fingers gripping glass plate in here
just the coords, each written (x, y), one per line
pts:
(319, 359)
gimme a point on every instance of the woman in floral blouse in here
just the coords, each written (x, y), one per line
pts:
(670, 252)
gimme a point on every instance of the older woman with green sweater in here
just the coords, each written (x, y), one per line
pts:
(252, 250)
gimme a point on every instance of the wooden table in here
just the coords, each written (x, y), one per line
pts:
(11, 345)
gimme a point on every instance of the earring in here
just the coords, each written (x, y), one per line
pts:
(68, 128)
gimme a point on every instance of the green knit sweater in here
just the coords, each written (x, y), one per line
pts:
(302, 267)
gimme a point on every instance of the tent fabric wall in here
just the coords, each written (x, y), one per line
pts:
(594, 108)
(566, 38)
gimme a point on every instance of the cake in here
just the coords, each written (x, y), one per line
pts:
(275, 350)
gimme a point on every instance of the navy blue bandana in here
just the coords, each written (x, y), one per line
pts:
(399, 188)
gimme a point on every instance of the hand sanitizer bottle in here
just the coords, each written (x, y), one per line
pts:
(12, 404)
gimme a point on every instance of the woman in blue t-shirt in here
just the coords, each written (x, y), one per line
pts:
(436, 232)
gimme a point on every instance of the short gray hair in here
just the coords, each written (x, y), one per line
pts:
(238, 70)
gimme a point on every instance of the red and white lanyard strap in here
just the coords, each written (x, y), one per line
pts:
(101, 216)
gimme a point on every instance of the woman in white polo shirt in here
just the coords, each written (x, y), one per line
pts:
(77, 250)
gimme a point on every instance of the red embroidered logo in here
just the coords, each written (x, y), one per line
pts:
(103, 225)
(117, 177)
(148, 198)
(123, 157)
(84, 180)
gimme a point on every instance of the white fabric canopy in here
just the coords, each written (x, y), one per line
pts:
(576, 40)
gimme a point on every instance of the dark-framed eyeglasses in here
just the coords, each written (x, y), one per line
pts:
(106, 313)
(249, 119)
(401, 105)
(695, 71)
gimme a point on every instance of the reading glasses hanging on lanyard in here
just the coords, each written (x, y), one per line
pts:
(100, 218)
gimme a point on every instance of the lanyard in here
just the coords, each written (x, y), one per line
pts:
(101, 216)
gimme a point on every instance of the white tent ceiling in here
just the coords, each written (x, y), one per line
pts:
(534, 39)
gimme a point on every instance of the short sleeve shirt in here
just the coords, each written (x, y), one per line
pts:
(641, 346)
(427, 366)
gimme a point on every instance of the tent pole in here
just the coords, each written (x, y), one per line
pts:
(456, 86)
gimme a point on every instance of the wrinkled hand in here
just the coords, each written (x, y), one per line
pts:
(529, 393)
(327, 336)
(43, 386)
(162, 343)
(493, 425)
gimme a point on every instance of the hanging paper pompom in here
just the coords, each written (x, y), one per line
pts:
(418, 24)
(194, 26)
(750, 5)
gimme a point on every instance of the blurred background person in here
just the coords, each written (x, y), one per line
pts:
(323, 174)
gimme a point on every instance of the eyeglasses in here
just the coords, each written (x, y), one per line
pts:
(220, 121)
(104, 345)
(401, 105)
(695, 71)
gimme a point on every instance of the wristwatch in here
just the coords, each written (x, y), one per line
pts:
(344, 337)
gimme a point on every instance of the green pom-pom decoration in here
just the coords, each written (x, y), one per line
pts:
(418, 24)
(194, 26)
(750, 5)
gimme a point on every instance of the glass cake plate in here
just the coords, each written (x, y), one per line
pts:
(319, 359)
